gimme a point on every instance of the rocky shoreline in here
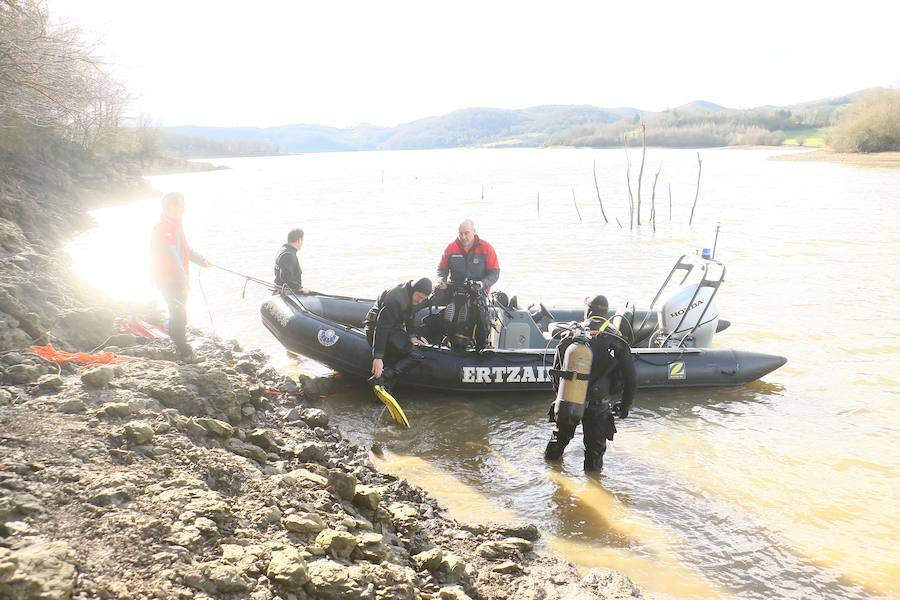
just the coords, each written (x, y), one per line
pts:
(150, 478)
(155, 479)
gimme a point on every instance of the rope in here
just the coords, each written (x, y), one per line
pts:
(206, 302)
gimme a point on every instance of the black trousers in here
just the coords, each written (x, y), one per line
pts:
(599, 426)
(398, 345)
(476, 325)
(176, 301)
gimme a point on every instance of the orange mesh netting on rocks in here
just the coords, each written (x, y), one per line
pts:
(50, 353)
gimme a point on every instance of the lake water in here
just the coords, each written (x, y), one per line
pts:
(786, 488)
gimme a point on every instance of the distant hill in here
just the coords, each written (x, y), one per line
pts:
(467, 127)
(697, 123)
(698, 105)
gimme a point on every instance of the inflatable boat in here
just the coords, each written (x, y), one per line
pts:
(669, 343)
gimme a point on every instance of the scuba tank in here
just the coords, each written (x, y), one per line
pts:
(574, 373)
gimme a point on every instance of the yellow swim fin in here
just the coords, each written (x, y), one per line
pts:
(392, 406)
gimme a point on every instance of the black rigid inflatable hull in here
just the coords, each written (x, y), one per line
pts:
(345, 349)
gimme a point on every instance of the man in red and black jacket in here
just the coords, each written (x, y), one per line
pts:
(467, 260)
(468, 257)
(170, 256)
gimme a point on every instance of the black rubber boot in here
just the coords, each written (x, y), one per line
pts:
(593, 460)
(555, 447)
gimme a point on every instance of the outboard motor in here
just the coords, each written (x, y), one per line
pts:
(689, 317)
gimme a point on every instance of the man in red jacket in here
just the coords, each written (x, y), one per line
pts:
(472, 261)
(468, 257)
(170, 255)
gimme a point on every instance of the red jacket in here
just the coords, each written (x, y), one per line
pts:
(479, 263)
(170, 253)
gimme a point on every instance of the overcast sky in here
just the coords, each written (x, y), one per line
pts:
(335, 62)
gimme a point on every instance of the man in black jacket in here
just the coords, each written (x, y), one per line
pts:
(287, 267)
(612, 371)
(389, 329)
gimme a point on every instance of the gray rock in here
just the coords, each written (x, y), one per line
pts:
(511, 547)
(186, 537)
(246, 450)
(303, 523)
(6, 398)
(310, 452)
(22, 374)
(122, 340)
(232, 553)
(607, 583)
(245, 366)
(139, 432)
(453, 592)
(405, 517)
(507, 567)
(339, 544)
(298, 476)
(98, 377)
(272, 514)
(331, 580)
(527, 531)
(288, 569)
(38, 571)
(51, 381)
(14, 358)
(342, 484)
(71, 407)
(371, 547)
(117, 409)
(194, 429)
(430, 560)
(84, 328)
(314, 417)
(117, 494)
(265, 439)
(452, 569)
(334, 581)
(226, 578)
(216, 427)
(367, 497)
(206, 526)
(20, 502)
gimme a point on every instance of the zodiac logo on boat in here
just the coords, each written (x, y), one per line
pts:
(677, 371)
(327, 337)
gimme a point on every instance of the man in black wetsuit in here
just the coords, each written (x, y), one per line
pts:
(287, 267)
(389, 329)
(612, 371)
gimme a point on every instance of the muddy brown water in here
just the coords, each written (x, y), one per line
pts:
(784, 488)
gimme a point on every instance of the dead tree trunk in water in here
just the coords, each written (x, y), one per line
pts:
(599, 199)
(628, 181)
(539, 203)
(696, 193)
(653, 199)
(575, 202)
(670, 203)
(641, 172)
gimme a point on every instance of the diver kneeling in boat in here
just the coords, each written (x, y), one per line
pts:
(389, 329)
(593, 362)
